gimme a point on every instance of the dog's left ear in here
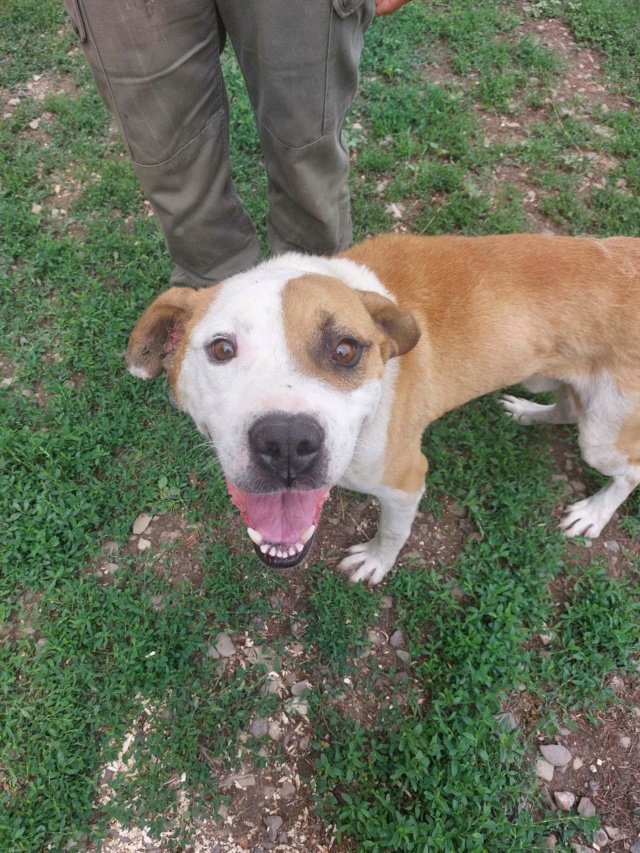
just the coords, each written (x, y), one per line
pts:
(400, 327)
(158, 332)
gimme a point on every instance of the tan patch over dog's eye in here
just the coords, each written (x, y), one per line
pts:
(221, 349)
(347, 353)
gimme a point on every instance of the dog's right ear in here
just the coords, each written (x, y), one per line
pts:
(159, 331)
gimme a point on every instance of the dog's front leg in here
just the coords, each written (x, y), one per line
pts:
(374, 559)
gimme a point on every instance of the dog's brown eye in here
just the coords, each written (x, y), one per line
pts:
(222, 349)
(347, 353)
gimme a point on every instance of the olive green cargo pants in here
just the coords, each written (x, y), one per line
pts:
(157, 66)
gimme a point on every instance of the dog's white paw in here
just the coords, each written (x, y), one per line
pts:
(587, 517)
(524, 411)
(369, 562)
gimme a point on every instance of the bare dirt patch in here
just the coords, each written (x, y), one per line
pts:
(604, 764)
(577, 90)
(24, 618)
(583, 78)
(171, 543)
(41, 85)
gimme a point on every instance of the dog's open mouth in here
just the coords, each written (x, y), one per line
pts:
(280, 524)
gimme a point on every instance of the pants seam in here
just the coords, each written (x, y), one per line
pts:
(219, 115)
(327, 72)
(293, 147)
(106, 77)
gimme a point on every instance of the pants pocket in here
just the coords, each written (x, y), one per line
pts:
(344, 8)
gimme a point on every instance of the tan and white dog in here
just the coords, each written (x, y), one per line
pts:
(306, 372)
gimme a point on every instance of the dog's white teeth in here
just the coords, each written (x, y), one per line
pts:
(264, 549)
(254, 536)
(299, 547)
(292, 551)
(308, 533)
(273, 552)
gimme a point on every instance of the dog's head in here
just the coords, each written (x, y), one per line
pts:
(280, 367)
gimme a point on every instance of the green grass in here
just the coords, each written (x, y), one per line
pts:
(84, 448)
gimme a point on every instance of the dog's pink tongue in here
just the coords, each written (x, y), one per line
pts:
(281, 517)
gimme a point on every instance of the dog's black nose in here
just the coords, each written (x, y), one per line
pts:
(286, 445)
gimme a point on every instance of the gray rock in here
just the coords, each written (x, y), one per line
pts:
(635, 848)
(375, 637)
(614, 833)
(586, 807)
(550, 842)
(578, 763)
(212, 652)
(405, 657)
(612, 545)
(556, 754)
(224, 646)
(544, 770)
(625, 742)
(300, 687)
(386, 602)
(273, 823)
(143, 544)
(287, 791)
(580, 848)
(304, 743)
(140, 524)
(275, 730)
(259, 727)
(564, 799)
(396, 639)
(601, 838)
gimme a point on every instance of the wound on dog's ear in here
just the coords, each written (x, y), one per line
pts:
(399, 326)
(158, 332)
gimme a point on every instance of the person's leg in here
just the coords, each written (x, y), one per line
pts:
(156, 64)
(300, 63)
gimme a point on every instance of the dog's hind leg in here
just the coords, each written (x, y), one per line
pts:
(611, 445)
(564, 411)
